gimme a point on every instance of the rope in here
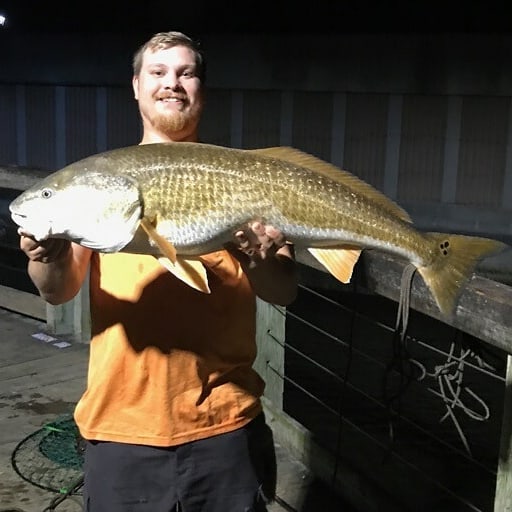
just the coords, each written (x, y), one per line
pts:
(401, 360)
(449, 375)
(405, 300)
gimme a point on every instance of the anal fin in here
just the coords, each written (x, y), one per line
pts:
(339, 261)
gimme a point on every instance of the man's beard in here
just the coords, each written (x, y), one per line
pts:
(177, 122)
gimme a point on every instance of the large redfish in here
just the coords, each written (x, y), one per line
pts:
(181, 200)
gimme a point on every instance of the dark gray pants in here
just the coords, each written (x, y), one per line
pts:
(233, 472)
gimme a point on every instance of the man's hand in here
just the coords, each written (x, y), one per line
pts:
(45, 251)
(57, 267)
(267, 260)
(257, 242)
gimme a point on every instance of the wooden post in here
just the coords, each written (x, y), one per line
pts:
(503, 497)
(60, 319)
(73, 318)
(270, 337)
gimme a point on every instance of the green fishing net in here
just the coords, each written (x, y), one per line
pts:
(52, 457)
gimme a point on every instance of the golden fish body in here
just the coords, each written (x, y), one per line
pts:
(195, 196)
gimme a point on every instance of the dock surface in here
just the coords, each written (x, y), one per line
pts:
(41, 378)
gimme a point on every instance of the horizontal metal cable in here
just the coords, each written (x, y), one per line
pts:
(450, 402)
(379, 443)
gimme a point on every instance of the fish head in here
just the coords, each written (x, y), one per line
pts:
(99, 210)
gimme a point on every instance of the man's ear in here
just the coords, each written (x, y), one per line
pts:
(135, 85)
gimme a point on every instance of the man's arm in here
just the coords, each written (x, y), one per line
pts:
(57, 267)
(268, 262)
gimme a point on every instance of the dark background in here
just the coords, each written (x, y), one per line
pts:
(53, 78)
(198, 17)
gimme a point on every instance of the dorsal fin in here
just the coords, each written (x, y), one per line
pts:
(302, 159)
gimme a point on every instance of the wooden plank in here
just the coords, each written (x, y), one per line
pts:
(19, 178)
(54, 366)
(22, 302)
(484, 307)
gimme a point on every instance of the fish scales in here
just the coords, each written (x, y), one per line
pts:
(218, 188)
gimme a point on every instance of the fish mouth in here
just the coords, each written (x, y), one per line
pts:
(18, 218)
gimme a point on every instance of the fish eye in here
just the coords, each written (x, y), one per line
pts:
(46, 193)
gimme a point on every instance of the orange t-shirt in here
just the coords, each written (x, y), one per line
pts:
(168, 364)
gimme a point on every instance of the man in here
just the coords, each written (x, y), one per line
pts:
(171, 415)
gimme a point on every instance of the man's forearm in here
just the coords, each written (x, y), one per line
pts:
(59, 281)
(275, 278)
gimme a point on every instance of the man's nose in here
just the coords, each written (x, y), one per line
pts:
(171, 81)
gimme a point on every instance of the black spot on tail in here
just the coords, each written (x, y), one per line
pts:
(443, 246)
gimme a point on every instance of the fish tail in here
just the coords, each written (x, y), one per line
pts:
(455, 258)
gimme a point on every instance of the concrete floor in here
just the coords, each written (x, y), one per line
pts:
(41, 381)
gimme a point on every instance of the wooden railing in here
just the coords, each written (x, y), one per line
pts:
(484, 315)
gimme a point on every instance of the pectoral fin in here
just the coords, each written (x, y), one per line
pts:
(163, 244)
(190, 271)
(339, 261)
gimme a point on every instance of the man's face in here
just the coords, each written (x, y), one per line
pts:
(169, 92)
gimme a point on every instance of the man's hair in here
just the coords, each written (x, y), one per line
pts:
(163, 40)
